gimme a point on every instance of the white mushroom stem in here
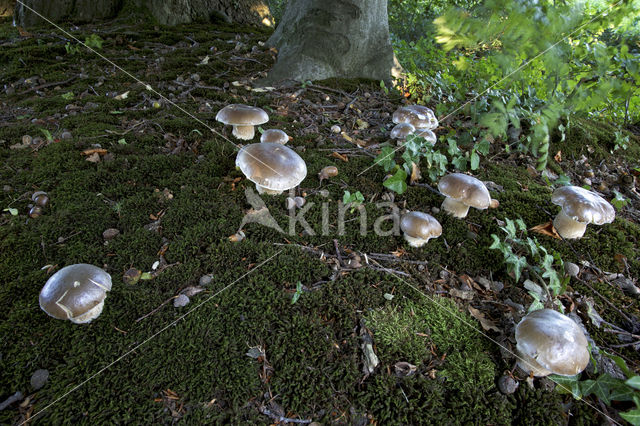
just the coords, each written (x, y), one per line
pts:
(567, 227)
(455, 208)
(90, 315)
(415, 242)
(244, 132)
(263, 190)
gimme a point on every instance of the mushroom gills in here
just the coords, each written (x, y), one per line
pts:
(414, 241)
(455, 208)
(90, 315)
(264, 190)
(568, 227)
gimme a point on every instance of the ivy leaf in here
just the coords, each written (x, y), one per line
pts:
(516, 264)
(483, 146)
(475, 160)
(632, 416)
(460, 163)
(634, 381)
(385, 159)
(601, 387)
(397, 182)
(619, 201)
(568, 384)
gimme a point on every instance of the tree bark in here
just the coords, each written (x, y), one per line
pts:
(319, 39)
(166, 12)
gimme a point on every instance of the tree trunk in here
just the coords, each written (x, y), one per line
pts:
(166, 12)
(319, 39)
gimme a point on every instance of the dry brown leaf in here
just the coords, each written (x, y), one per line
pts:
(94, 158)
(484, 322)
(24, 33)
(546, 229)
(340, 156)
(558, 156)
(415, 174)
(399, 252)
(92, 151)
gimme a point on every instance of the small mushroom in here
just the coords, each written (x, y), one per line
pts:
(427, 134)
(401, 131)
(579, 208)
(76, 293)
(271, 166)
(461, 192)
(41, 198)
(274, 136)
(549, 342)
(327, 172)
(418, 228)
(419, 116)
(35, 212)
(243, 118)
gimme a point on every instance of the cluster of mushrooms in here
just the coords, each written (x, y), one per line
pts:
(547, 341)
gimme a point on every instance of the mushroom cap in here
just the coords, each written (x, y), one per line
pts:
(271, 165)
(274, 136)
(242, 115)
(427, 134)
(402, 130)
(420, 225)
(554, 341)
(583, 206)
(419, 116)
(465, 189)
(74, 290)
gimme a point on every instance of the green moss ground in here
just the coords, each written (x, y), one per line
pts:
(313, 347)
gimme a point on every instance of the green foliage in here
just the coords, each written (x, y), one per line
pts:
(297, 294)
(606, 388)
(521, 253)
(619, 201)
(92, 41)
(352, 200)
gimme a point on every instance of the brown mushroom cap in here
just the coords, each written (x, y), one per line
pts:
(271, 166)
(419, 226)
(551, 342)
(461, 189)
(75, 292)
(583, 206)
(274, 136)
(419, 116)
(401, 131)
(242, 118)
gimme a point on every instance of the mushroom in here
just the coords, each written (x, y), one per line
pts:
(549, 342)
(327, 172)
(419, 116)
(271, 166)
(40, 198)
(242, 118)
(401, 131)
(579, 208)
(427, 134)
(274, 136)
(461, 192)
(35, 212)
(418, 228)
(76, 293)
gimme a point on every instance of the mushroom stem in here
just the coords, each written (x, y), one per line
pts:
(415, 242)
(263, 190)
(567, 227)
(90, 315)
(455, 207)
(244, 132)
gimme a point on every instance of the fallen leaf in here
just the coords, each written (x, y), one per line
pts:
(346, 137)
(340, 156)
(546, 229)
(415, 174)
(404, 369)
(24, 33)
(621, 260)
(484, 322)
(237, 237)
(462, 294)
(94, 158)
(92, 151)
(122, 96)
(558, 157)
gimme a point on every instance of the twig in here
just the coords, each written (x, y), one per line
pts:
(335, 244)
(279, 419)
(346, 109)
(44, 86)
(13, 398)
(156, 309)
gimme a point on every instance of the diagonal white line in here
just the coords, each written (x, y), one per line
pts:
(391, 154)
(171, 324)
(476, 329)
(148, 87)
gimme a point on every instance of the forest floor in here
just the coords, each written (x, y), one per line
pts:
(281, 326)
